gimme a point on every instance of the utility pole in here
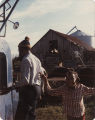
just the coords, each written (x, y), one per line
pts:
(6, 6)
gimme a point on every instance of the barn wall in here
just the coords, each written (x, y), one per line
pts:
(66, 50)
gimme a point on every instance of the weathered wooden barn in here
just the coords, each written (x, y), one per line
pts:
(58, 49)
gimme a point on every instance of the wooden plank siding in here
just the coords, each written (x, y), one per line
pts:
(66, 47)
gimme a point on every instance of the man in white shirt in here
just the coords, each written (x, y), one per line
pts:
(30, 82)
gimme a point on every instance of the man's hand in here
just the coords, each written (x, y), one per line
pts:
(43, 77)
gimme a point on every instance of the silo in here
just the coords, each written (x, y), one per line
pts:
(82, 36)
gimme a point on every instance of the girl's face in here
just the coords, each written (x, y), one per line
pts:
(71, 79)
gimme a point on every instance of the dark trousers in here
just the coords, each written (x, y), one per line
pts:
(28, 98)
(76, 118)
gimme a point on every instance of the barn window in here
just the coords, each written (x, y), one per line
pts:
(53, 46)
(3, 71)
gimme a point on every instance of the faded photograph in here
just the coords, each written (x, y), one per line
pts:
(47, 59)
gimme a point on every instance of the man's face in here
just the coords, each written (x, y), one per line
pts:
(71, 79)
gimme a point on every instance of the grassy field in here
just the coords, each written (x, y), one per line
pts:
(54, 112)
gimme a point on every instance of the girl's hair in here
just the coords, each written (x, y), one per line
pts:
(72, 71)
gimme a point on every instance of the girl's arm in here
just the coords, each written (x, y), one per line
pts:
(87, 91)
(53, 92)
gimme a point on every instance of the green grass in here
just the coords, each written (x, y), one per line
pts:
(50, 112)
(90, 111)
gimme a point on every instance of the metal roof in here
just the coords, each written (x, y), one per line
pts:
(79, 33)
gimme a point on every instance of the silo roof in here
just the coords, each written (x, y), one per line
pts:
(79, 33)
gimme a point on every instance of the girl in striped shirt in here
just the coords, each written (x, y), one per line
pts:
(72, 95)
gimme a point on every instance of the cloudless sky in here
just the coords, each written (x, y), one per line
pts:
(36, 17)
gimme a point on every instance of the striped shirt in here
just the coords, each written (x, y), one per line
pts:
(73, 98)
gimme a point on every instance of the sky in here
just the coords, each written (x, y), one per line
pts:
(36, 17)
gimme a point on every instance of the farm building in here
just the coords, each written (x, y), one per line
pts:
(58, 49)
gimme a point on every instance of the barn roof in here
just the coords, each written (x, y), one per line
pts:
(74, 40)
